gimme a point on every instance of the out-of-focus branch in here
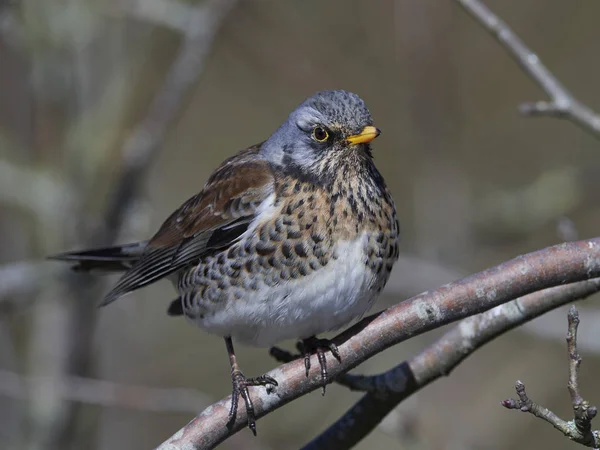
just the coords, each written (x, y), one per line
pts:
(107, 393)
(39, 192)
(21, 280)
(553, 266)
(16, 279)
(34, 191)
(562, 104)
(63, 326)
(580, 429)
(146, 138)
(387, 390)
(9, 30)
(167, 13)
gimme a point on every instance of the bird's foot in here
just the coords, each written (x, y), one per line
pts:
(240, 388)
(319, 346)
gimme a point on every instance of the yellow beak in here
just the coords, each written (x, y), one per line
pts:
(365, 136)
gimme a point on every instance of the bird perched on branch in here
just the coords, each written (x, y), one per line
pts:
(288, 239)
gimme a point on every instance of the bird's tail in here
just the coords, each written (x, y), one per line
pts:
(108, 259)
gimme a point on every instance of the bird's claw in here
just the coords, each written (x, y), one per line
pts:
(319, 346)
(240, 388)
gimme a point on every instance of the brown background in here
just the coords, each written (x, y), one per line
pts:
(474, 184)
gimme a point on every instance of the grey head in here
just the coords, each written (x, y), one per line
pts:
(330, 122)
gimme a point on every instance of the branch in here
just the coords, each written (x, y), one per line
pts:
(105, 393)
(166, 13)
(203, 23)
(553, 266)
(413, 274)
(68, 351)
(387, 390)
(18, 279)
(580, 429)
(35, 191)
(562, 104)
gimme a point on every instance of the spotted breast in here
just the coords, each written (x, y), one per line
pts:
(314, 259)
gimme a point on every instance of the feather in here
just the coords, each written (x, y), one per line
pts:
(213, 219)
(108, 259)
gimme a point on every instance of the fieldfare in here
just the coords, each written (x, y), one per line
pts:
(289, 238)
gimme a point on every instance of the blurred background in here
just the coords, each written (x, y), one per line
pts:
(113, 113)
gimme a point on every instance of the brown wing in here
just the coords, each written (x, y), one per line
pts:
(212, 219)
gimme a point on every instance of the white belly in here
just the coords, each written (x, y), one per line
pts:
(325, 300)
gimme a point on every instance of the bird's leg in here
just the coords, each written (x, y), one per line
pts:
(240, 387)
(318, 346)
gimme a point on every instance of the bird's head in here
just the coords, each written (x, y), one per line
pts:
(326, 127)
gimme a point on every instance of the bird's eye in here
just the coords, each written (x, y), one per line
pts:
(320, 134)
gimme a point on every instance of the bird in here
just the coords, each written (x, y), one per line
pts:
(288, 239)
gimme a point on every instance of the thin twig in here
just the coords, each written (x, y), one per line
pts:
(580, 429)
(562, 104)
(525, 404)
(574, 358)
(582, 411)
(553, 266)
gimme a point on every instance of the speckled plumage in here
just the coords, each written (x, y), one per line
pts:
(289, 238)
(254, 290)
